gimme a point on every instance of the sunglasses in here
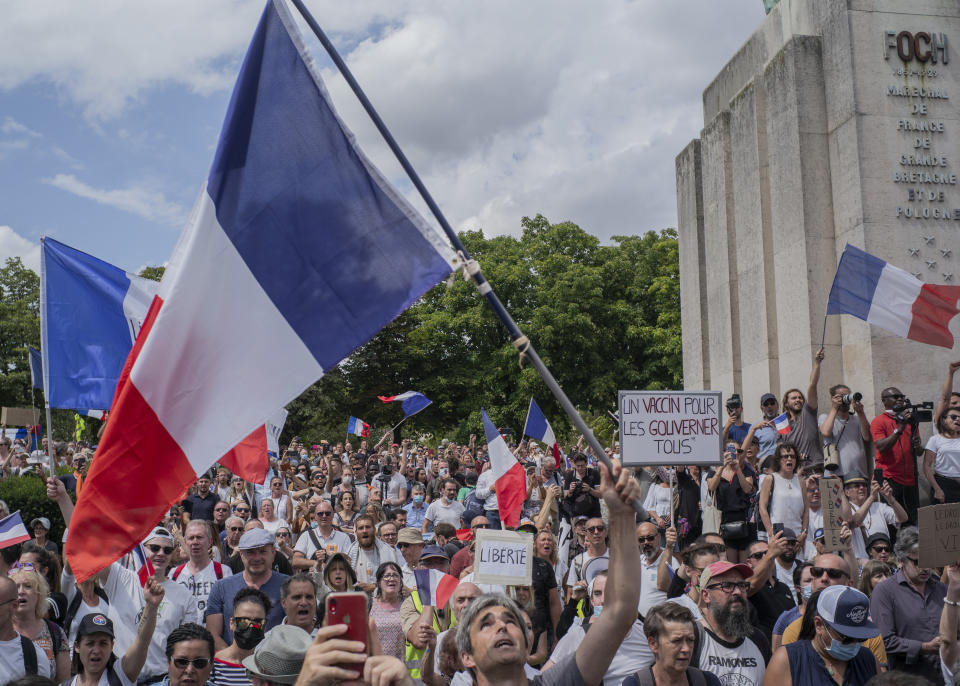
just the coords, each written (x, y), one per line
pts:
(647, 539)
(596, 529)
(846, 640)
(243, 510)
(881, 549)
(916, 562)
(898, 396)
(758, 555)
(157, 548)
(244, 622)
(234, 528)
(197, 662)
(321, 513)
(832, 573)
(954, 417)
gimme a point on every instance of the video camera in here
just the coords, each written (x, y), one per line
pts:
(907, 412)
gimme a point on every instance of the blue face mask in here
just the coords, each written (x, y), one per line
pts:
(418, 499)
(842, 651)
(807, 591)
(314, 524)
(597, 611)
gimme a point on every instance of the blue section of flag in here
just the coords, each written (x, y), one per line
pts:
(87, 337)
(414, 403)
(855, 283)
(338, 252)
(12, 530)
(34, 438)
(36, 367)
(536, 422)
(489, 430)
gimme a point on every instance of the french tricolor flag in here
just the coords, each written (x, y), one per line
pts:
(893, 299)
(142, 564)
(537, 427)
(297, 252)
(358, 427)
(411, 402)
(12, 530)
(782, 424)
(509, 477)
(434, 587)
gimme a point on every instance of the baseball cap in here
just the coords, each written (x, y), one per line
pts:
(789, 534)
(410, 536)
(43, 520)
(767, 397)
(527, 522)
(847, 610)
(433, 551)
(255, 538)
(95, 624)
(718, 568)
(160, 532)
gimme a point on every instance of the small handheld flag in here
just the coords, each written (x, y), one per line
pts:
(434, 587)
(782, 424)
(143, 565)
(12, 530)
(411, 402)
(358, 427)
(539, 428)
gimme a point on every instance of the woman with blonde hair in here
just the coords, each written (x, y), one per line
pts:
(872, 574)
(29, 618)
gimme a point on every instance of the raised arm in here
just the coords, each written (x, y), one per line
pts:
(622, 594)
(814, 380)
(764, 568)
(136, 654)
(950, 617)
(944, 402)
(57, 492)
(663, 567)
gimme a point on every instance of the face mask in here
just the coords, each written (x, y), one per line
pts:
(314, 524)
(841, 651)
(597, 611)
(248, 638)
(418, 499)
(807, 591)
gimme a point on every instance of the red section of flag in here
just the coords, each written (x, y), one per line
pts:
(365, 433)
(464, 535)
(556, 455)
(932, 311)
(123, 497)
(511, 492)
(248, 459)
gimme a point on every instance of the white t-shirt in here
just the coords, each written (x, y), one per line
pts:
(879, 517)
(584, 567)
(338, 542)
(851, 450)
(104, 679)
(658, 500)
(485, 588)
(11, 660)
(394, 485)
(274, 525)
(786, 505)
(785, 576)
(125, 597)
(200, 584)
(815, 521)
(177, 607)
(449, 513)
(633, 654)
(732, 663)
(947, 450)
(650, 595)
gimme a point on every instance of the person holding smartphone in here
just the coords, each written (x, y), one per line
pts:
(731, 487)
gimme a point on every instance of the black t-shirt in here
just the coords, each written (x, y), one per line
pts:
(582, 503)
(280, 564)
(543, 580)
(770, 602)
(200, 508)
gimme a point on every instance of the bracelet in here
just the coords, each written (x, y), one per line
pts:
(951, 602)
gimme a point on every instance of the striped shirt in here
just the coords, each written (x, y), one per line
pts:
(228, 674)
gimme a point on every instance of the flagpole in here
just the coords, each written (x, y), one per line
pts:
(527, 420)
(824, 336)
(45, 354)
(520, 341)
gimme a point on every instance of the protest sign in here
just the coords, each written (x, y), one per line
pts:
(939, 527)
(670, 427)
(503, 557)
(831, 498)
(18, 416)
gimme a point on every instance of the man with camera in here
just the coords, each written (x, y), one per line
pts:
(850, 441)
(898, 445)
(581, 489)
(735, 429)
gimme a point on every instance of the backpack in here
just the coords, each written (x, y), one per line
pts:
(217, 570)
(74, 607)
(472, 507)
(29, 655)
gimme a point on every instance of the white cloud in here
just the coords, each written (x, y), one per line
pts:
(13, 244)
(144, 202)
(12, 126)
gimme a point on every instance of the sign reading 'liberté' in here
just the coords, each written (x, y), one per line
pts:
(670, 427)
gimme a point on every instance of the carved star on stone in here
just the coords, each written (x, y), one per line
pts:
(914, 252)
(947, 277)
(916, 274)
(928, 239)
(931, 264)
(945, 252)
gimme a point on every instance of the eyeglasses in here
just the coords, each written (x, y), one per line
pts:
(234, 528)
(757, 555)
(157, 548)
(954, 417)
(197, 662)
(596, 529)
(283, 533)
(729, 587)
(22, 566)
(830, 572)
(646, 539)
(881, 549)
(244, 622)
(390, 576)
(8, 601)
(324, 513)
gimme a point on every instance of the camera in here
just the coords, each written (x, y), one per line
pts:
(850, 398)
(733, 402)
(906, 412)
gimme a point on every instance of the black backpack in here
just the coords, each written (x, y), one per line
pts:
(29, 655)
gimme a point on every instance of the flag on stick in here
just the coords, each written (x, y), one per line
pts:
(411, 402)
(229, 337)
(509, 477)
(782, 424)
(144, 567)
(12, 530)
(358, 427)
(893, 299)
(539, 428)
(36, 367)
(434, 587)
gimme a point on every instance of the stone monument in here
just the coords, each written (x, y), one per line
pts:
(836, 122)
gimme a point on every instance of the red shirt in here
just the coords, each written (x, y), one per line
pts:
(897, 462)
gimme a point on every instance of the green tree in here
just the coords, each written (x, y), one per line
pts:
(19, 327)
(155, 273)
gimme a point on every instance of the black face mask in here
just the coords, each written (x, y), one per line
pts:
(249, 637)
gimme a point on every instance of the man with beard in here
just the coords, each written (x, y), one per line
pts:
(366, 554)
(731, 647)
(769, 596)
(763, 431)
(851, 439)
(802, 415)
(907, 609)
(648, 538)
(868, 515)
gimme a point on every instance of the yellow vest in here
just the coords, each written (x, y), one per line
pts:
(412, 656)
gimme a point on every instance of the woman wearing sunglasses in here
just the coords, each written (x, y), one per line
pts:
(830, 650)
(941, 459)
(250, 608)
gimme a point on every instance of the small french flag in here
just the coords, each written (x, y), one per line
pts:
(434, 587)
(537, 427)
(12, 530)
(782, 424)
(358, 427)
(411, 402)
(142, 563)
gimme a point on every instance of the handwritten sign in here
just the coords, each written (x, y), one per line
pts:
(831, 494)
(503, 557)
(670, 427)
(939, 527)
(19, 416)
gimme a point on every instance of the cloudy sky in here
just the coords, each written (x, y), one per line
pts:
(110, 110)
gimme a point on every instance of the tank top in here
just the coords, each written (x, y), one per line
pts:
(786, 505)
(807, 668)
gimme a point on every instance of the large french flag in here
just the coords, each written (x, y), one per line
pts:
(411, 402)
(90, 314)
(508, 475)
(12, 530)
(297, 252)
(539, 428)
(893, 299)
(434, 587)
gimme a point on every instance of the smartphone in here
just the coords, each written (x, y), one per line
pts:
(351, 609)
(878, 476)
(777, 528)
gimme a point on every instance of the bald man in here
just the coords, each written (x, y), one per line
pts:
(464, 594)
(648, 539)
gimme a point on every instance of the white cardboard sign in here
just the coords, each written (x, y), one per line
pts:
(503, 557)
(670, 427)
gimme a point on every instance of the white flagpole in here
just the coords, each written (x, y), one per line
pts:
(45, 353)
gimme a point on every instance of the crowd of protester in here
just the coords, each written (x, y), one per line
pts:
(724, 578)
